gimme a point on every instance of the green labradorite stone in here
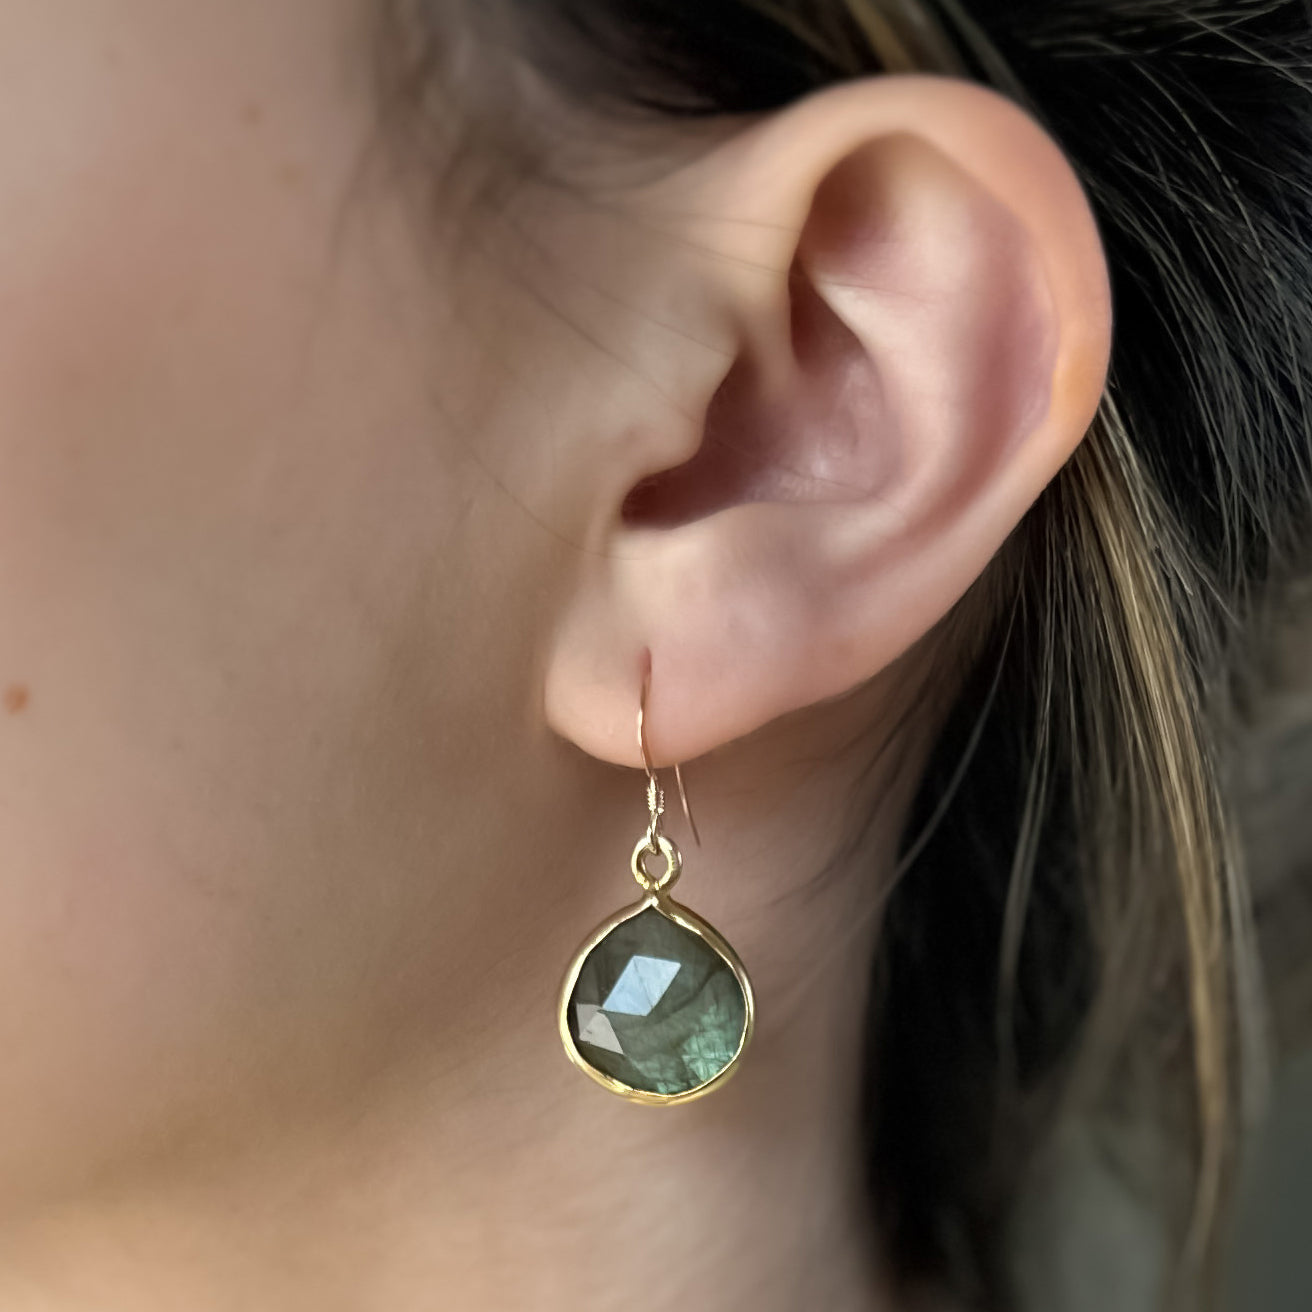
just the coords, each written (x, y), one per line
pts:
(656, 1007)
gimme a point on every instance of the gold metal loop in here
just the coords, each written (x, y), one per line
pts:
(648, 882)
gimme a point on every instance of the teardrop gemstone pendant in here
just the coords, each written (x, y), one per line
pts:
(656, 1006)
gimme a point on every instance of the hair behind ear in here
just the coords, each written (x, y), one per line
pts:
(1011, 935)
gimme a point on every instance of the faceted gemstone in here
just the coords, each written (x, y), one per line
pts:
(656, 1007)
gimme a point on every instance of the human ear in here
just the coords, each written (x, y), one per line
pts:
(922, 332)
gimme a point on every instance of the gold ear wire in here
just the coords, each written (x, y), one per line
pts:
(656, 1006)
(655, 793)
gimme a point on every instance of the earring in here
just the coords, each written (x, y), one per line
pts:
(656, 1006)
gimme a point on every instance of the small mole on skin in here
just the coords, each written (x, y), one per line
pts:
(252, 113)
(16, 698)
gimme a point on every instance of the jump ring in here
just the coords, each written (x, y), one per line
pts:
(661, 847)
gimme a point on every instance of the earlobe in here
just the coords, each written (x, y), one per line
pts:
(931, 351)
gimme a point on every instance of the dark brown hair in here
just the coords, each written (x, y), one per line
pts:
(1071, 889)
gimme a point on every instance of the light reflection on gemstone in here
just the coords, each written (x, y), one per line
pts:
(595, 1028)
(641, 986)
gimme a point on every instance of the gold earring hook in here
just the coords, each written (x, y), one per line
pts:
(655, 793)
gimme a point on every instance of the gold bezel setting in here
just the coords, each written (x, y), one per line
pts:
(691, 922)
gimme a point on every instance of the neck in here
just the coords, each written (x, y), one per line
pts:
(484, 1172)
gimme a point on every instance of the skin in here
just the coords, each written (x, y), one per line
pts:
(323, 631)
